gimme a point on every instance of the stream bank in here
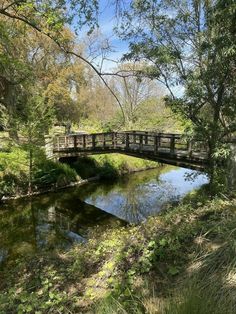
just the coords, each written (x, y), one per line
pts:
(49, 176)
(176, 263)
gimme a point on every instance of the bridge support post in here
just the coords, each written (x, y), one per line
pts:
(156, 144)
(189, 147)
(140, 143)
(93, 141)
(114, 140)
(172, 144)
(49, 143)
(84, 141)
(75, 142)
(127, 140)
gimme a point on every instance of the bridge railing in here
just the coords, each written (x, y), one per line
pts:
(155, 143)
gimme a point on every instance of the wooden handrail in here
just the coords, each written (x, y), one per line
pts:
(131, 142)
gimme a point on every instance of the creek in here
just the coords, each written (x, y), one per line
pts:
(61, 219)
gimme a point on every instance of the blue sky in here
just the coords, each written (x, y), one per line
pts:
(107, 21)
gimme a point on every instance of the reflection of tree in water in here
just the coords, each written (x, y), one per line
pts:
(145, 200)
(134, 197)
(58, 219)
(17, 236)
(29, 228)
(192, 176)
(45, 223)
(53, 228)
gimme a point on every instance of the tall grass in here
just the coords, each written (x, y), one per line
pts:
(208, 283)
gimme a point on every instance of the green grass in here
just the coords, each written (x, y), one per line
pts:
(181, 262)
(14, 170)
(14, 173)
(110, 166)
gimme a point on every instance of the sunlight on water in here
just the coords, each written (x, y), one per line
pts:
(58, 220)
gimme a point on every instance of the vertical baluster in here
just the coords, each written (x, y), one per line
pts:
(190, 147)
(93, 141)
(141, 142)
(156, 141)
(104, 140)
(114, 140)
(75, 142)
(127, 140)
(172, 144)
(84, 141)
(146, 138)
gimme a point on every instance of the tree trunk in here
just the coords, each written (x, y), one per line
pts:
(30, 171)
(212, 142)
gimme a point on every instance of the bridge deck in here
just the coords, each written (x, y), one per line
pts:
(166, 148)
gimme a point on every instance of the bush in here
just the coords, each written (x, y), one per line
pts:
(49, 173)
(14, 173)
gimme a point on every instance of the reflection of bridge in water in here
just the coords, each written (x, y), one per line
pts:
(165, 148)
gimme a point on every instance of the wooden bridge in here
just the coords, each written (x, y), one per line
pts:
(165, 148)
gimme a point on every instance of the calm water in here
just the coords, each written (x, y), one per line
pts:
(60, 219)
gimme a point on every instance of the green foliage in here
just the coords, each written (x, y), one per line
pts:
(45, 173)
(182, 261)
(13, 172)
(165, 34)
(44, 296)
(53, 174)
(110, 166)
(123, 164)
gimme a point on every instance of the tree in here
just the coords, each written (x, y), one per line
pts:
(32, 61)
(35, 122)
(189, 47)
(49, 18)
(133, 91)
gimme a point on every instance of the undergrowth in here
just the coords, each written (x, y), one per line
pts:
(109, 166)
(181, 262)
(14, 173)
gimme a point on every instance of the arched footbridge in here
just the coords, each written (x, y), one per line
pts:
(170, 149)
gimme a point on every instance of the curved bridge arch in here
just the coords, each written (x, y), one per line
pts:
(162, 147)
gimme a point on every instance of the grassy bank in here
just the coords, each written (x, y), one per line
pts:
(15, 173)
(182, 261)
(110, 166)
(46, 174)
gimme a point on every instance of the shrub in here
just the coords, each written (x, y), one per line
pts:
(49, 173)
(14, 173)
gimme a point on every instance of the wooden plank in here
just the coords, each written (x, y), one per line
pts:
(127, 140)
(114, 140)
(140, 143)
(75, 142)
(84, 141)
(172, 144)
(93, 141)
